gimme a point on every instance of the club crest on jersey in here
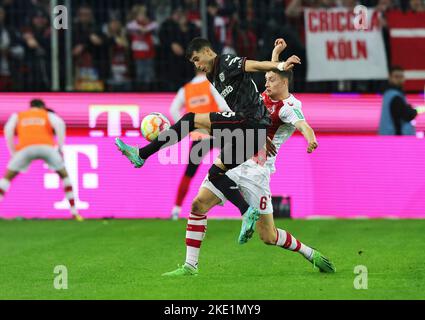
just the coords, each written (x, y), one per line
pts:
(272, 109)
(221, 76)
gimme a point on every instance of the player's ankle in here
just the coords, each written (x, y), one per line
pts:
(191, 265)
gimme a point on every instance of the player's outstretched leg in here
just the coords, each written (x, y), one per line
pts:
(271, 235)
(132, 153)
(188, 123)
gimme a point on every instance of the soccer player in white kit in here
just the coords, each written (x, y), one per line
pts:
(253, 177)
(35, 129)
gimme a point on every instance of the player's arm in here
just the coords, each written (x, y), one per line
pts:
(265, 66)
(9, 132)
(222, 105)
(177, 105)
(60, 128)
(308, 134)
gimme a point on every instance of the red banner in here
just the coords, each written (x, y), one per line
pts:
(407, 38)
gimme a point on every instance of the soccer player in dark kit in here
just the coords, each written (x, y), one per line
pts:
(249, 120)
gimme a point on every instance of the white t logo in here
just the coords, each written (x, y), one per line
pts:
(90, 180)
(114, 117)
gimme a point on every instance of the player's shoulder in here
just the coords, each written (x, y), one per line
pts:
(293, 102)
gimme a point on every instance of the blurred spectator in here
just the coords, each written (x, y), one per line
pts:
(37, 51)
(88, 51)
(140, 29)
(397, 114)
(416, 6)
(242, 38)
(11, 54)
(175, 34)
(117, 43)
(348, 4)
(216, 26)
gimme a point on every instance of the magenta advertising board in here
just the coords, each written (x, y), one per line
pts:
(348, 176)
(121, 113)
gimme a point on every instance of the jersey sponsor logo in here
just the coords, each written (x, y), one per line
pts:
(199, 101)
(33, 122)
(221, 76)
(299, 114)
(226, 91)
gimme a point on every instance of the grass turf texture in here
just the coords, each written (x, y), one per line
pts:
(124, 259)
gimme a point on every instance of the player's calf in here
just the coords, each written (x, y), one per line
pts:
(4, 187)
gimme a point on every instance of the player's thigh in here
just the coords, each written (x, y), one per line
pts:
(202, 121)
(52, 157)
(254, 183)
(204, 201)
(20, 161)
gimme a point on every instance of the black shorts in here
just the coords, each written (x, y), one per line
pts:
(240, 138)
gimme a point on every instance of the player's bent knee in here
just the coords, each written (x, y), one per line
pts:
(215, 172)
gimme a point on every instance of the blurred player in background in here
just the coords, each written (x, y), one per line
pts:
(35, 129)
(253, 177)
(197, 96)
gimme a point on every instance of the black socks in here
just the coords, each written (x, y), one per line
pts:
(228, 187)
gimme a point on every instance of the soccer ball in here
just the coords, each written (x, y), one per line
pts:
(153, 124)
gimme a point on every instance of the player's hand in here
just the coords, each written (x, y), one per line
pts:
(270, 148)
(177, 49)
(279, 45)
(312, 145)
(291, 62)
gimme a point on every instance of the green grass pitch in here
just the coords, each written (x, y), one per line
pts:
(124, 259)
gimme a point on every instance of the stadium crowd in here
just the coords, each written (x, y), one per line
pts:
(141, 47)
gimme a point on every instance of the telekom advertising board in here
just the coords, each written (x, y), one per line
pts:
(121, 113)
(347, 176)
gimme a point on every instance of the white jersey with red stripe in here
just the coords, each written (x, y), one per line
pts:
(284, 113)
(253, 176)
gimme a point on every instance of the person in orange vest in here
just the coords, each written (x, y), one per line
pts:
(36, 129)
(197, 96)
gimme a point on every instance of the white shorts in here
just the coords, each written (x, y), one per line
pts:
(23, 158)
(254, 183)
